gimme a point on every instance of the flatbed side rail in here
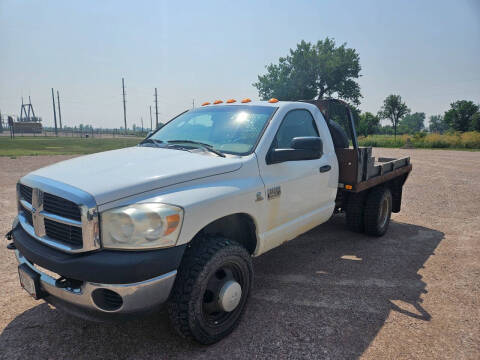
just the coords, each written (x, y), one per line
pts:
(377, 180)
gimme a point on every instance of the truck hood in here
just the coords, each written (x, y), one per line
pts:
(112, 175)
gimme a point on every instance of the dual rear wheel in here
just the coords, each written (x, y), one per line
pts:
(370, 212)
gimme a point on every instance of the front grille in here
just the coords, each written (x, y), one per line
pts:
(28, 216)
(56, 219)
(60, 206)
(71, 235)
(26, 193)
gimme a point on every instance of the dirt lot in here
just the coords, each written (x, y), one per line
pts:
(415, 293)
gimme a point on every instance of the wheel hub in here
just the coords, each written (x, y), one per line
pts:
(230, 295)
(384, 211)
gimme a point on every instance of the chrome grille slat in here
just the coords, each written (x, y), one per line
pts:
(61, 219)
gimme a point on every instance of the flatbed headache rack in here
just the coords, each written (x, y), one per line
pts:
(358, 170)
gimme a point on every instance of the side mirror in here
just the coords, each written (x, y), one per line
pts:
(302, 148)
(313, 143)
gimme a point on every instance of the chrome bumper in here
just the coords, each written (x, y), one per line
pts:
(136, 297)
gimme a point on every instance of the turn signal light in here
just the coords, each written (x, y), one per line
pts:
(273, 100)
(246, 100)
(218, 102)
(348, 187)
(229, 101)
(172, 223)
(205, 103)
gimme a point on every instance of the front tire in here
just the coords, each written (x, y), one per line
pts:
(378, 210)
(211, 289)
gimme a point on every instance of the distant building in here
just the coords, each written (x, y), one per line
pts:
(28, 127)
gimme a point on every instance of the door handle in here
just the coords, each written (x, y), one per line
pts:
(325, 168)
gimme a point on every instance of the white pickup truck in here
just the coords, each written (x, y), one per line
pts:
(177, 218)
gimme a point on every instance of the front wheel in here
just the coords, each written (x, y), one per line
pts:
(378, 210)
(211, 289)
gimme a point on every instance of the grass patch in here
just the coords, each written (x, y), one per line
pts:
(22, 146)
(459, 141)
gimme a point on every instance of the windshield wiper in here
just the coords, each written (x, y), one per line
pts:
(205, 146)
(151, 141)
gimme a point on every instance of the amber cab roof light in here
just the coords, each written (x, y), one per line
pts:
(230, 101)
(206, 103)
(216, 102)
(273, 100)
(246, 100)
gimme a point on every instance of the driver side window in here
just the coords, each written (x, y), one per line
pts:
(296, 123)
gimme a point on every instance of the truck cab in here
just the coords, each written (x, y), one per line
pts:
(178, 218)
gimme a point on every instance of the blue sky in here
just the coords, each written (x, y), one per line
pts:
(426, 51)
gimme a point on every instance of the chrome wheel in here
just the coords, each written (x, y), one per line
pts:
(384, 211)
(378, 209)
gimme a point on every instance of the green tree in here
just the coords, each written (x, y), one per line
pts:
(369, 124)
(437, 124)
(322, 69)
(459, 117)
(393, 109)
(412, 123)
(475, 122)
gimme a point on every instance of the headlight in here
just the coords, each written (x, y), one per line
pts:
(141, 226)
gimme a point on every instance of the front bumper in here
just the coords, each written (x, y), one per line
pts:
(135, 297)
(100, 285)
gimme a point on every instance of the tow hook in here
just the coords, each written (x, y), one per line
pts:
(65, 283)
(11, 245)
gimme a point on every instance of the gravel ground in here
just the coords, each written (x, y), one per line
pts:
(414, 293)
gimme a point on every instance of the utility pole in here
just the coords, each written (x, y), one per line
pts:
(124, 106)
(54, 113)
(151, 124)
(141, 120)
(193, 103)
(156, 109)
(59, 112)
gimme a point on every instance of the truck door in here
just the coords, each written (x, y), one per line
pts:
(300, 194)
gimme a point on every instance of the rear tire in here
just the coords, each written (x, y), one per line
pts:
(200, 305)
(355, 212)
(378, 210)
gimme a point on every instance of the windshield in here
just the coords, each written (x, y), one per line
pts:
(232, 129)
